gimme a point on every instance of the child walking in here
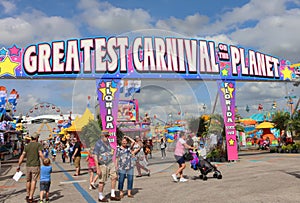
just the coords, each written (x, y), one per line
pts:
(92, 169)
(45, 180)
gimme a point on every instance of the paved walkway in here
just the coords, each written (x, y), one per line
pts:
(256, 177)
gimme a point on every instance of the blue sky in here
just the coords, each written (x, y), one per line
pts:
(269, 26)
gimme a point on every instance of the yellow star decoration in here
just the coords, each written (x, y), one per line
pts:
(230, 90)
(224, 72)
(8, 67)
(112, 90)
(231, 142)
(103, 91)
(287, 73)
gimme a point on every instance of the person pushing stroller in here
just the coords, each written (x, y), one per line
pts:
(199, 162)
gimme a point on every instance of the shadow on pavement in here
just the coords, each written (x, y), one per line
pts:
(55, 195)
(295, 173)
(11, 193)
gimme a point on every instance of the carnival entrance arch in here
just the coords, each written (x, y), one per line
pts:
(110, 59)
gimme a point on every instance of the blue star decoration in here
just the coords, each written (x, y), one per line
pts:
(113, 84)
(3, 51)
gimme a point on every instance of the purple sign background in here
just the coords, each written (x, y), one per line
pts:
(108, 97)
(227, 98)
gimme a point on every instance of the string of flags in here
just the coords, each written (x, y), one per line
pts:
(8, 101)
(130, 87)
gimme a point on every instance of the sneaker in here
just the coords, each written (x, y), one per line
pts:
(115, 198)
(183, 180)
(47, 201)
(174, 177)
(103, 200)
(90, 188)
(41, 201)
(93, 186)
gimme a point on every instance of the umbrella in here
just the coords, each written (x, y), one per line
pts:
(248, 121)
(175, 129)
(265, 125)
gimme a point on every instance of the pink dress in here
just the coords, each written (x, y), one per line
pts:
(91, 162)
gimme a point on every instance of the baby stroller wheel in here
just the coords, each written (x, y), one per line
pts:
(204, 178)
(201, 176)
(219, 176)
(215, 175)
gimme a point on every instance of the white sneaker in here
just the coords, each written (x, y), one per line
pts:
(174, 177)
(93, 186)
(90, 188)
(183, 180)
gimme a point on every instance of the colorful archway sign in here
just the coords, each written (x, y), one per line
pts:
(109, 59)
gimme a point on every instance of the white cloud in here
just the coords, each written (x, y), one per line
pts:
(277, 35)
(8, 6)
(35, 27)
(191, 25)
(104, 17)
(254, 93)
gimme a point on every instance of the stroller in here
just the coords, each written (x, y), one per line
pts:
(205, 167)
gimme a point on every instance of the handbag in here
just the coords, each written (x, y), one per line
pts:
(188, 156)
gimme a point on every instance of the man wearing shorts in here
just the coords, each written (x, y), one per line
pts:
(33, 153)
(77, 156)
(105, 165)
(180, 147)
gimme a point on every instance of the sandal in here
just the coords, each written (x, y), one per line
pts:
(30, 200)
(138, 176)
(130, 196)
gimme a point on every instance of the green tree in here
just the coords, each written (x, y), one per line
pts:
(281, 120)
(216, 123)
(239, 128)
(294, 123)
(90, 133)
(203, 125)
(193, 124)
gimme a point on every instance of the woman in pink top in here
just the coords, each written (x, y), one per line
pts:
(92, 169)
(181, 145)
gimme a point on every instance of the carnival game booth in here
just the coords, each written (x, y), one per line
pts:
(266, 133)
(129, 122)
(133, 129)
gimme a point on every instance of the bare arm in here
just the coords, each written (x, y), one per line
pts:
(97, 164)
(41, 155)
(76, 150)
(21, 160)
(188, 146)
(131, 140)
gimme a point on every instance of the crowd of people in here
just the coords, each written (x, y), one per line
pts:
(102, 160)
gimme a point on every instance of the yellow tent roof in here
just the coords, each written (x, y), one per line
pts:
(79, 123)
(265, 125)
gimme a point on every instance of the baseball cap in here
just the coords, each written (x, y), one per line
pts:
(35, 135)
(104, 133)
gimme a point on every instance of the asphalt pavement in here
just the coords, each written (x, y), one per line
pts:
(256, 177)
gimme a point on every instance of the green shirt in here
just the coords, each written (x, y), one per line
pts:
(32, 154)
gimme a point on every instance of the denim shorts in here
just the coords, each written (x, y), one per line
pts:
(180, 159)
(45, 186)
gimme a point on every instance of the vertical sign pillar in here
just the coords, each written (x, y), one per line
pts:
(227, 97)
(108, 97)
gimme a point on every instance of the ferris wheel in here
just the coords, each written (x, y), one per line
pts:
(44, 108)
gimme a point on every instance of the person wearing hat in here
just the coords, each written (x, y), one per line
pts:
(33, 153)
(106, 166)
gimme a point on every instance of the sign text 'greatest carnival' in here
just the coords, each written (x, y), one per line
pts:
(118, 57)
